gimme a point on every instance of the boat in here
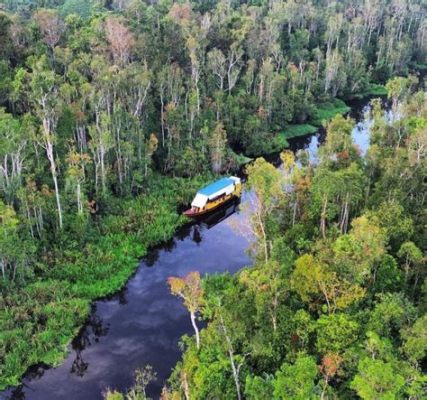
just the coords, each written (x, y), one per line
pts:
(215, 195)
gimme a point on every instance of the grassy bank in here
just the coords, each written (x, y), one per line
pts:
(327, 110)
(298, 130)
(38, 321)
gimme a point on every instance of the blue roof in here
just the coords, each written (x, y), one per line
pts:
(216, 186)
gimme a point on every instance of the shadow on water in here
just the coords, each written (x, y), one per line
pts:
(143, 323)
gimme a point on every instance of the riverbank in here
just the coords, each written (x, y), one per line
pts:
(38, 321)
(323, 113)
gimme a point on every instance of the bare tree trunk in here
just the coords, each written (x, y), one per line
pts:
(294, 213)
(196, 329)
(29, 218)
(48, 127)
(235, 369)
(264, 236)
(79, 200)
(344, 215)
(323, 217)
(51, 157)
(58, 200)
(274, 312)
(3, 269)
(185, 387)
(162, 117)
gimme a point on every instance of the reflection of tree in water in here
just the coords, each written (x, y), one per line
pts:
(34, 372)
(151, 258)
(121, 296)
(184, 232)
(197, 236)
(169, 245)
(18, 393)
(221, 214)
(92, 331)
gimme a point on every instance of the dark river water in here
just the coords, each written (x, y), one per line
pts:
(143, 323)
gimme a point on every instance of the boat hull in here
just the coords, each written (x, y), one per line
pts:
(215, 204)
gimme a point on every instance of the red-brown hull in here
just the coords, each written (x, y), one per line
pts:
(194, 214)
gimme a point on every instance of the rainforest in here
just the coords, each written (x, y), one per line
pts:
(114, 113)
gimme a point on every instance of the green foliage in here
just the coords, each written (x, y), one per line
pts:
(298, 130)
(81, 8)
(415, 340)
(297, 381)
(377, 380)
(336, 333)
(257, 387)
(376, 90)
(326, 111)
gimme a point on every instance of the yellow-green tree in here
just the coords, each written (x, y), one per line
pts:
(190, 290)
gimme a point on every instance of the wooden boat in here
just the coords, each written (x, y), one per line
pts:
(214, 195)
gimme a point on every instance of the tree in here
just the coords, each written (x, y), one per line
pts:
(46, 102)
(100, 144)
(266, 183)
(297, 381)
(76, 173)
(121, 40)
(314, 280)
(338, 142)
(336, 333)
(415, 339)
(15, 253)
(143, 377)
(377, 380)
(190, 290)
(50, 25)
(412, 257)
(217, 147)
(329, 368)
(398, 89)
(217, 64)
(268, 287)
(356, 253)
(13, 145)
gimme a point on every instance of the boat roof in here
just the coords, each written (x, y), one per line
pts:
(216, 186)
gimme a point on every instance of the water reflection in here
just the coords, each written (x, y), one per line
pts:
(196, 236)
(222, 214)
(94, 329)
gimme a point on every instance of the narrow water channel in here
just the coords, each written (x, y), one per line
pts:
(143, 323)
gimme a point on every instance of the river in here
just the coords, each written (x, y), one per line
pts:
(143, 323)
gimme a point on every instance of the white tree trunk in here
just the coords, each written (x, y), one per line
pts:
(196, 329)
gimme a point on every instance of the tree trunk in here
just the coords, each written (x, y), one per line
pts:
(79, 200)
(234, 368)
(58, 200)
(162, 118)
(323, 217)
(196, 329)
(185, 387)
(51, 157)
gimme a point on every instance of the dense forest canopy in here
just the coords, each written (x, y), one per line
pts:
(335, 305)
(113, 112)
